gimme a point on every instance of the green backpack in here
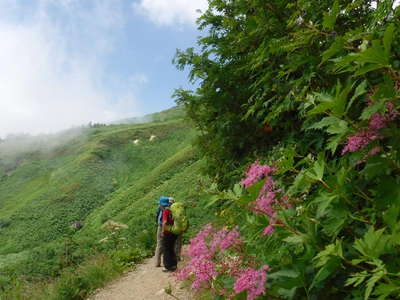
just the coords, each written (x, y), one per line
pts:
(181, 222)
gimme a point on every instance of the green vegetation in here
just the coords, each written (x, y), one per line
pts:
(94, 178)
(304, 95)
(311, 90)
(173, 113)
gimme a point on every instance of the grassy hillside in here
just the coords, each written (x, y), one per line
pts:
(99, 175)
(173, 113)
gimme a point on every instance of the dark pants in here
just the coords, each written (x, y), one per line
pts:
(169, 256)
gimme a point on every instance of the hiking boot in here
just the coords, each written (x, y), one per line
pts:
(173, 269)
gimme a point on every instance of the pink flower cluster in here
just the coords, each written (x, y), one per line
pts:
(255, 173)
(252, 281)
(218, 252)
(360, 140)
(364, 137)
(267, 200)
(202, 252)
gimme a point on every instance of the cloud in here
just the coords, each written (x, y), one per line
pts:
(171, 12)
(139, 79)
(52, 65)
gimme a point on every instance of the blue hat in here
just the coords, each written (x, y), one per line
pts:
(164, 201)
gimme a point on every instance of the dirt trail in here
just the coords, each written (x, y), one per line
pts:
(146, 282)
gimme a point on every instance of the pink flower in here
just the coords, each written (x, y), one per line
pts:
(360, 140)
(198, 245)
(267, 201)
(255, 173)
(183, 274)
(204, 251)
(268, 230)
(377, 122)
(211, 254)
(204, 270)
(252, 281)
(391, 113)
(224, 239)
(264, 204)
(231, 238)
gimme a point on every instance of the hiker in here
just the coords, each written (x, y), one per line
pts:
(178, 242)
(175, 223)
(163, 203)
(168, 241)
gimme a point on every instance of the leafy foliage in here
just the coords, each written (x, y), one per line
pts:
(311, 88)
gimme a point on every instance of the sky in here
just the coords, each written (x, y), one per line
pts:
(65, 63)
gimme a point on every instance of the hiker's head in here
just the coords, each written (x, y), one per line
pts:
(171, 200)
(164, 201)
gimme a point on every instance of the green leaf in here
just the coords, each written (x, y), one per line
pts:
(357, 278)
(341, 96)
(376, 166)
(288, 280)
(379, 272)
(384, 290)
(335, 125)
(294, 239)
(373, 244)
(317, 171)
(333, 143)
(388, 191)
(388, 38)
(327, 270)
(287, 162)
(300, 184)
(330, 250)
(391, 217)
(340, 127)
(385, 90)
(212, 201)
(366, 69)
(284, 273)
(335, 221)
(336, 47)
(252, 192)
(238, 190)
(346, 63)
(374, 54)
(328, 260)
(357, 261)
(331, 16)
(323, 201)
(341, 176)
(360, 90)
(370, 110)
(326, 103)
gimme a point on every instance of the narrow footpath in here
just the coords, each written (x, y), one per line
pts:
(146, 282)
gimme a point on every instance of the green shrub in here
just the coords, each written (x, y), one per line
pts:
(128, 257)
(311, 89)
(78, 284)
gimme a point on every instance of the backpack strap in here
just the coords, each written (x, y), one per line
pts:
(159, 216)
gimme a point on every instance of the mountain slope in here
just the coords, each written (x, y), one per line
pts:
(106, 173)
